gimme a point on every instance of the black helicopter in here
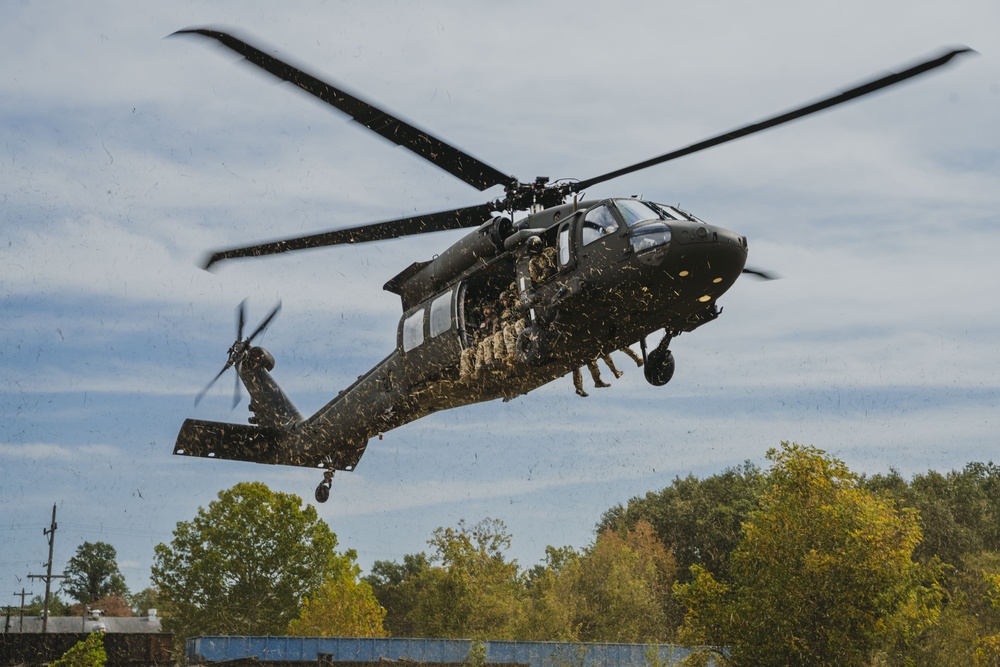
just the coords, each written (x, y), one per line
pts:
(508, 308)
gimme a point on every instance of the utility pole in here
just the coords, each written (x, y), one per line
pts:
(22, 595)
(48, 576)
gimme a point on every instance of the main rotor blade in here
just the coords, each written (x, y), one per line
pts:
(763, 275)
(473, 171)
(390, 229)
(794, 114)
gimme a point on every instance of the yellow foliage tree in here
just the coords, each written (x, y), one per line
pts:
(824, 574)
(343, 606)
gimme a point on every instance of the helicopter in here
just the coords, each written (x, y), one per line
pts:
(508, 308)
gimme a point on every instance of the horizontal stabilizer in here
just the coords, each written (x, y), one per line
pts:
(238, 442)
(242, 442)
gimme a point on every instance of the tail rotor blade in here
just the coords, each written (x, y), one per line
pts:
(263, 325)
(236, 392)
(208, 386)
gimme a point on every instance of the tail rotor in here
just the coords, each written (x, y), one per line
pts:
(238, 350)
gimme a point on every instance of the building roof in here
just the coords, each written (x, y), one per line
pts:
(63, 624)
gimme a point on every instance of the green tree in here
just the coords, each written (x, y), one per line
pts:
(617, 590)
(699, 520)
(959, 510)
(93, 573)
(57, 607)
(552, 598)
(343, 606)
(87, 652)
(624, 584)
(392, 584)
(243, 565)
(146, 599)
(470, 590)
(824, 574)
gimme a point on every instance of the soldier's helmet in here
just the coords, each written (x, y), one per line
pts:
(535, 245)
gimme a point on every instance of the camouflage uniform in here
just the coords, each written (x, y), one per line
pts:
(595, 374)
(488, 329)
(543, 265)
(611, 365)
(510, 326)
(635, 357)
(467, 362)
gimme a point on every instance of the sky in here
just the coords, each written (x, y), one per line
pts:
(127, 155)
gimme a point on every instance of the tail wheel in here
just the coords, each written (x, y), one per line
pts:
(323, 490)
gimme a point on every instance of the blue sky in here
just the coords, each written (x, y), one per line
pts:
(126, 156)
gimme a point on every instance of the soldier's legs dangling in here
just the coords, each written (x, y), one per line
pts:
(499, 348)
(595, 373)
(486, 352)
(635, 357)
(509, 341)
(578, 383)
(467, 362)
(611, 365)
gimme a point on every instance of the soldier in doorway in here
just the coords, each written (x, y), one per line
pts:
(510, 325)
(489, 327)
(542, 266)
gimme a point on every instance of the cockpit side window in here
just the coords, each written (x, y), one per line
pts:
(598, 222)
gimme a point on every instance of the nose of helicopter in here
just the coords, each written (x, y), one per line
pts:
(705, 260)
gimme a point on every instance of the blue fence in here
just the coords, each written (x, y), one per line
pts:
(344, 649)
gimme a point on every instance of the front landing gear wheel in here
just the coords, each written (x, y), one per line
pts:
(323, 490)
(659, 367)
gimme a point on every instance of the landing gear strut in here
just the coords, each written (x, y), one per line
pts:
(323, 490)
(659, 363)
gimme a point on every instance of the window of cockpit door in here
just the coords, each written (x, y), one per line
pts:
(597, 223)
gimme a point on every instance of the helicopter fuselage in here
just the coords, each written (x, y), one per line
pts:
(622, 270)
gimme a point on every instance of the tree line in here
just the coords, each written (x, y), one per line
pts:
(802, 563)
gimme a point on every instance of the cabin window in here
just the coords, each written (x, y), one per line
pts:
(413, 330)
(599, 222)
(441, 314)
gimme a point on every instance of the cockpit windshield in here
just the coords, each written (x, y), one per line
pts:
(635, 211)
(675, 213)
